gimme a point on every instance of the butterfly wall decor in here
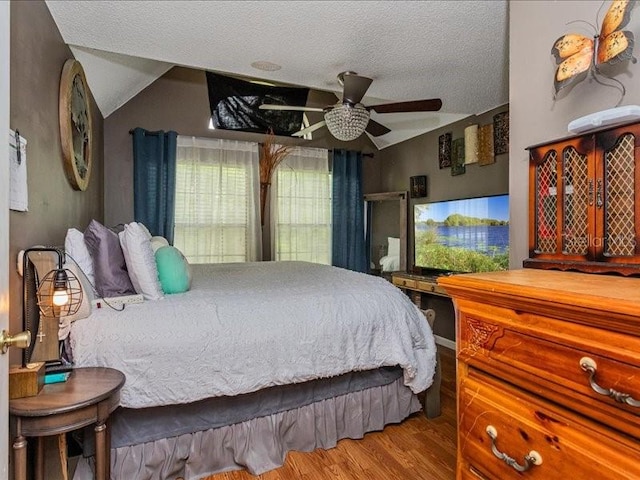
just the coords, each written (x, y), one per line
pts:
(578, 55)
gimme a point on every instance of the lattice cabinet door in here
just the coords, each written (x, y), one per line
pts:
(616, 195)
(545, 177)
(577, 210)
(559, 209)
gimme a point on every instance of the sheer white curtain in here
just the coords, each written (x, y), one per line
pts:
(301, 207)
(217, 200)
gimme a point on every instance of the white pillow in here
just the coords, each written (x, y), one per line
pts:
(145, 229)
(140, 260)
(157, 242)
(75, 248)
(394, 246)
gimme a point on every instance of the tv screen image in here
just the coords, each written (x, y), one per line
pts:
(466, 235)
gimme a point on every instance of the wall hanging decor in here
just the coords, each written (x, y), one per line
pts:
(418, 186)
(76, 134)
(501, 133)
(457, 157)
(485, 145)
(578, 56)
(471, 144)
(444, 150)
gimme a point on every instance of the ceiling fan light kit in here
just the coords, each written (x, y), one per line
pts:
(348, 119)
(347, 122)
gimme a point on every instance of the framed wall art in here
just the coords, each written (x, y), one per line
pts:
(457, 157)
(444, 150)
(471, 144)
(76, 133)
(418, 186)
(501, 133)
(485, 145)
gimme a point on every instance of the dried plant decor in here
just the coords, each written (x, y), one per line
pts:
(270, 157)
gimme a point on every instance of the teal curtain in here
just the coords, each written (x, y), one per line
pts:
(367, 235)
(348, 236)
(154, 180)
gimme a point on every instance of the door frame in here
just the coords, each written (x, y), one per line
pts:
(5, 35)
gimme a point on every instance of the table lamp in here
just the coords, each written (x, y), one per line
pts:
(57, 294)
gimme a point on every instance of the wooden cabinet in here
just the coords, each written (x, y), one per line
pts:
(584, 202)
(548, 364)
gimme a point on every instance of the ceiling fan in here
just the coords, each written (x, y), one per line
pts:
(348, 119)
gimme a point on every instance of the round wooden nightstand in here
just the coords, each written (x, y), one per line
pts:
(88, 396)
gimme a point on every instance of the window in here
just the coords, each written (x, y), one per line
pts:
(217, 188)
(301, 207)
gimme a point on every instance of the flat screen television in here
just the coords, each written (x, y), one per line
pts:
(466, 235)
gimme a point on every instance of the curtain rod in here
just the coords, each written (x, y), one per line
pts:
(370, 155)
(159, 132)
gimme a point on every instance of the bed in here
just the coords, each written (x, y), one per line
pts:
(255, 360)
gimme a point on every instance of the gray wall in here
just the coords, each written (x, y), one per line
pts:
(37, 56)
(535, 116)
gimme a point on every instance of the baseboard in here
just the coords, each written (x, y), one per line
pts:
(445, 342)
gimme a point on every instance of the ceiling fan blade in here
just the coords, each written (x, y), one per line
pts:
(376, 129)
(431, 105)
(355, 87)
(268, 106)
(309, 129)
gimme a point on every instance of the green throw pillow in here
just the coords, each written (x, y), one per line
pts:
(173, 270)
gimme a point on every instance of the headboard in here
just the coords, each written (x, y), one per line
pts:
(45, 346)
(30, 310)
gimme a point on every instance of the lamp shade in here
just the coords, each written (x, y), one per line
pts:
(347, 122)
(59, 293)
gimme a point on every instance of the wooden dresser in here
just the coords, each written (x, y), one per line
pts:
(548, 375)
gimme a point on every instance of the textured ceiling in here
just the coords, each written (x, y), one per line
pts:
(454, 50)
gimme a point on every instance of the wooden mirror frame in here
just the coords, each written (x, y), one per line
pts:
(76, 133)
(403, 204)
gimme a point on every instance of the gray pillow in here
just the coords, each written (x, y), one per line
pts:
(110, 269)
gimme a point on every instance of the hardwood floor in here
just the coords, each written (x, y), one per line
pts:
(417, 449)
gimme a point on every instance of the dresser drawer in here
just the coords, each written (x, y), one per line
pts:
(569, 446)
(509, 345)
(430, 287)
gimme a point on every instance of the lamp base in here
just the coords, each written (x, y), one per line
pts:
(26, 381)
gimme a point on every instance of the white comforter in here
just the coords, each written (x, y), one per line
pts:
(246, 326)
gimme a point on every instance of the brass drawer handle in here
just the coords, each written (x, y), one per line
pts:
(532, 458)
(589, 365)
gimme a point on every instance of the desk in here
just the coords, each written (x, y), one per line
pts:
(425, 293)
(88, 396)
(417, 285)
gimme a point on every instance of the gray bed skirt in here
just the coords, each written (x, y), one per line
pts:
(261, 444)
